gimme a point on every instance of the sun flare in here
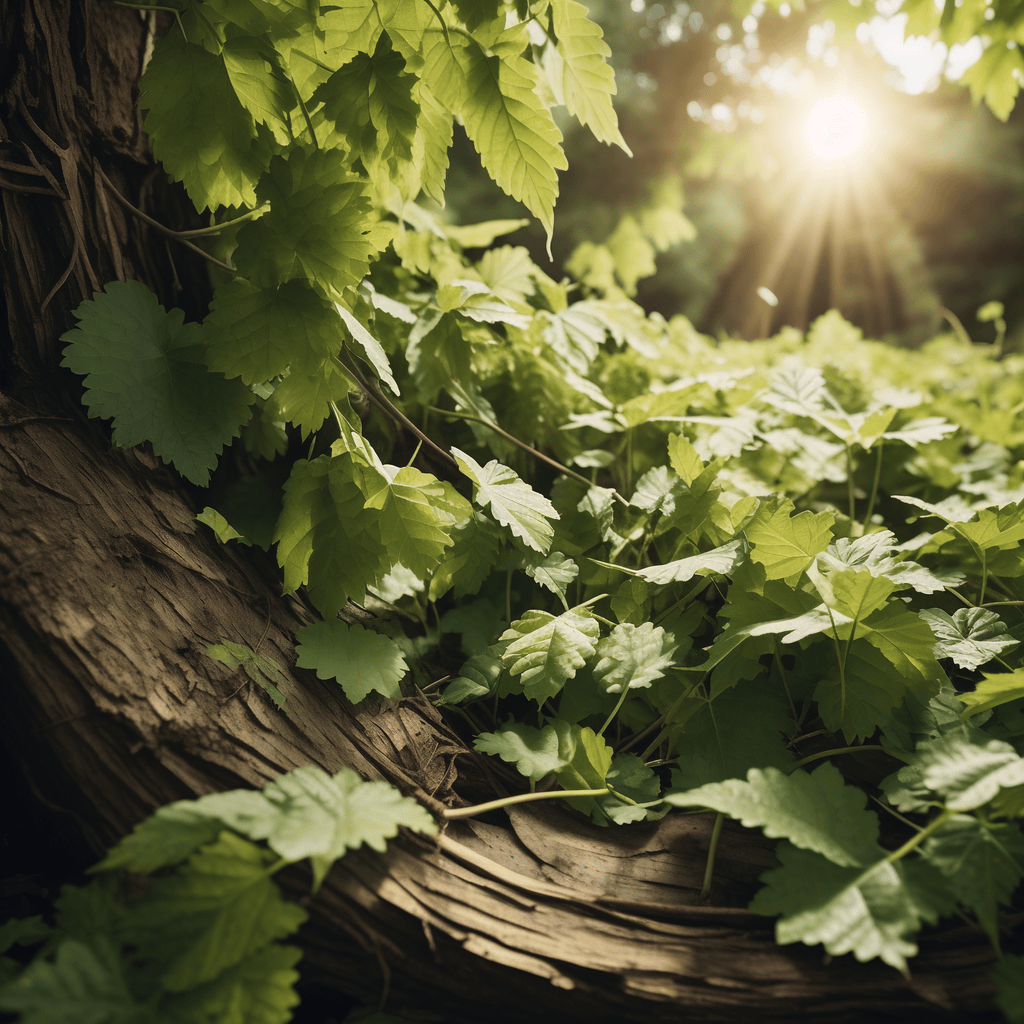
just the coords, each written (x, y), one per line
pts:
(836, 128)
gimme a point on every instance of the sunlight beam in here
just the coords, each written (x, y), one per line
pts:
(836, 128)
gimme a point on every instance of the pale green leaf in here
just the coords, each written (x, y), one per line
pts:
(858, 592)
(221, 527)
(360, 660)
(922, 431)
(971, 637)
(478, 677)
(633, 656)
(146, 369)
(545, 650)
(993, 690)
(724, 559)
(168, 836)
(872, 912)
(588, 81)
(555, 572)
(815, 811)
(512, 130)
(684, 458)
(786, 545)
(967, 767)
(259, 82)
(534, 752)
(264, 673)
(512, 502)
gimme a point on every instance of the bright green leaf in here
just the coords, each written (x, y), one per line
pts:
(971, 637)
(786, 545)
(360, 660)
(259, 990)
(633, 656)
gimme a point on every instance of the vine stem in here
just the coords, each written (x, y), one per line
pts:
(452, 813)
(874, 484)
(843, 750)
(176, 235)
(914, 841)
(615, 710)
(521, 444)
(709, 867)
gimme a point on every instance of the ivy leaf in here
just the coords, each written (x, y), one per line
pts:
(983, 863)
(724, 559)
(511, 129)
(260, 84)
(198, 128)
(415, 524)
(815, 811)
(259, 333)
(785, 545)
(84, 983)
(588, 82)
(320, 226)
(724, 737)
(967, 767)
(633, 656)
(226, 887)
(869, 912)
(358, 659)
(1008, 975)
(326, 537)
(862, 697)
(555, 572)
(545, 650)
(478, 677)
(534, 752)
(512, 502)
(992, 691)
(258, 990)
(146, 369)
(970, 636)
(261, 671)
(471, 559)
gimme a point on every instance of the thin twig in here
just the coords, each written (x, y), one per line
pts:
(176, 235)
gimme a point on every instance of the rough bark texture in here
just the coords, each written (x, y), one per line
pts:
(109, 592)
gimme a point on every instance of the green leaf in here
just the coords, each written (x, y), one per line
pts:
(633, 656)
(629, 776)
(815, 811)
(983, 862)
(85, 984)
(534, 752)
(684, 458)
(260, 84)
(259, 333)
(723, 738)
(858, 592)
(869, 912)
(545, 650)
(221, 527)
(326, 537)
(478, 677)
(877, 552)
(198, 128)
(24, 931)
(438, 353)
(225, 896)
(1008, 975)
(992, 691)
(967, 767)
(784, 545)
(474, 550)
(588, 81)
(512, 502)
(264, 673)
(304, 399)
(172, 833)
(259, 990)
(510, 127)
(864, 695)
(358, 659)
(555, 572)
(320, 227)
(971, 637)
(416, 516)
(724, 559)
(146, 369)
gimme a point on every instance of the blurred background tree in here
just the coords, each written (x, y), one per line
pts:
(789, 161)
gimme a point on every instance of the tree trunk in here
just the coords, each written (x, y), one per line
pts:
(111, 593)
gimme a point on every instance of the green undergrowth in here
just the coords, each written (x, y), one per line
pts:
(640, 568)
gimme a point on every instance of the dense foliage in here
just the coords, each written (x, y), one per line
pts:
(648, 569)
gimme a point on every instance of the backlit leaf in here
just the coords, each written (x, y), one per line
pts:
(359, 659)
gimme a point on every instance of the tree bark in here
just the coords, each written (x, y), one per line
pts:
(110, 593)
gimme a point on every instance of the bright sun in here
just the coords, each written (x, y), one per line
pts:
(836, 128)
